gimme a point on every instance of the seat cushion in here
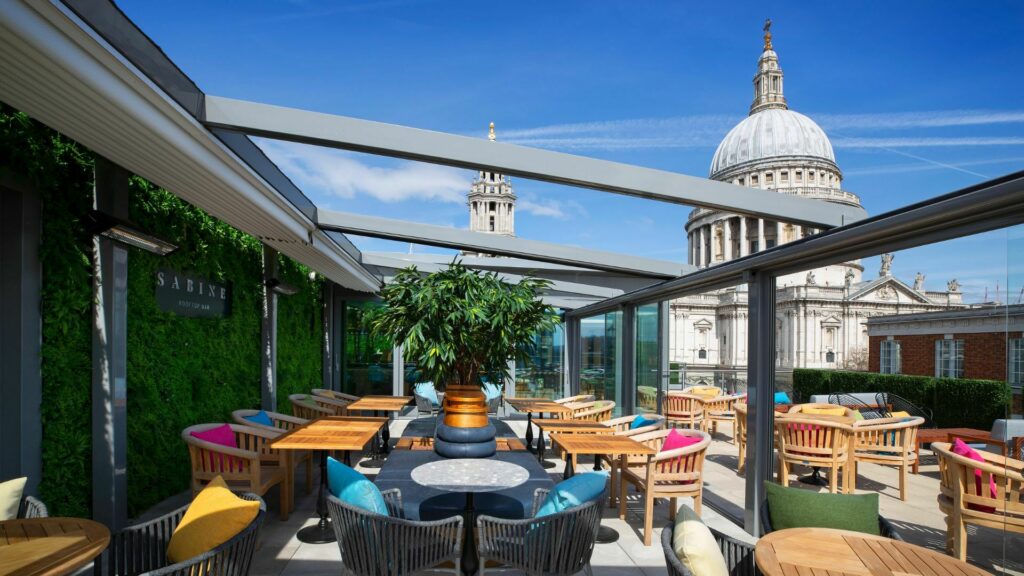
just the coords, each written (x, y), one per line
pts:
(900, 414)
(579, 489)
(695, 546)
(782, 398)
(351, 487)
(261, 418)
(798, 508)
(640, 421)
(214, 517)
(427, 390)
(10, 497)
(838, 411)
(964, 450)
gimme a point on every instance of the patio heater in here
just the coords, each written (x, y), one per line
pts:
(103, 224)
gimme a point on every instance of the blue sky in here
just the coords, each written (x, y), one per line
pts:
(919, 99)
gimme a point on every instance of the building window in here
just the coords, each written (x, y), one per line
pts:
(492, 223)
(1017, 362)
(799, 176)
(769, 242)
(753, 246)
(742, 182)
(889, 357)
(753, 179)
(769, 178)
(810, 176)
(784, 176)
(949, 358)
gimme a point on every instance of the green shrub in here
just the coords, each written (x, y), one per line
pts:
(970, 403)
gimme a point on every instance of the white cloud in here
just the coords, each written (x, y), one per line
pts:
(926, 142)
(928, 119)
(547, 208)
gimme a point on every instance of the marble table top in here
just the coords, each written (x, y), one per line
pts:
(470, 475)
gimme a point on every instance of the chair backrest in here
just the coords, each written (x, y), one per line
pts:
(679, 404)
(807, 438)
(336, 407)
(32, 507)
(888, 438)
(969, 484)
(622, 424)
(575, 399)
(240, 464)
(599, 412)
(703, 390)
(334, 395)
(721, 405)
(681, 464)
(647, 397)
(901, 404)
(803, 408)
(741, 421)
(856, 402)
(281, 421)
(303, 406)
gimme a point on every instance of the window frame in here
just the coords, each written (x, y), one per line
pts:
(890, 360)
(949, 358)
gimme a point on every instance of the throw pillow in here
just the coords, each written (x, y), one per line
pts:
(214, 517)
(695, 546)
(260, 418)
(353, 488)
(10, 497)
(676, 440)
(224, 436)
(580, 489)
(491, 391)
(838, 411)
(427, 390)
(797, 508)
(964, 450)
(705, 391)
(640, 421)
(782, 398)
(857, 416)
(900, 414)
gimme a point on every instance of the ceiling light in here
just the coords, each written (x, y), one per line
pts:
(104, 224)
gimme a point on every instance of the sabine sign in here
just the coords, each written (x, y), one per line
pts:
(187, 295)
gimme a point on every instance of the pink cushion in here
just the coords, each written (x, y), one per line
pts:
(223, 436)
(676, 440)
(962, 449)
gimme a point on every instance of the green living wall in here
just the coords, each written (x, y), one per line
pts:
(181, 371)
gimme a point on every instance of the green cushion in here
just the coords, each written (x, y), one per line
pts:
(797, 508)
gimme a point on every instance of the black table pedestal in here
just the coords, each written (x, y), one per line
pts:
(540, 451)
(529, 431)
(605, 534)
(814, 478)
(380, 447)
(322, 532)
(469, 557)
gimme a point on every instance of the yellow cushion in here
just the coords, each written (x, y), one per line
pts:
(825, 411)
(901, 414)
(695, 546)
(10, 497)
(705, 391)
(214, 517)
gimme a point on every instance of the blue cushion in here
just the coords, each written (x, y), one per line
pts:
(427, 390)
(782, 398)
(579, 489)
(491, 391)
(640, 421)
(260, 418)
(353, 488)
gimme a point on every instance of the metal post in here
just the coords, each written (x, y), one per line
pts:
(268, 333)
(663, 351)
(397, 371)
(327, 333)
(627, 368)
(760, 394)
(20, 336)
(109, 358)
(573, 351)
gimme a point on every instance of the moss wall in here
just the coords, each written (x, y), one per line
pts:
(181, 371)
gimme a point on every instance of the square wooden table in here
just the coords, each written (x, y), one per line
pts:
(564, 426)
(929, 435)
(378, 405)
(539, 406)
(345, 433)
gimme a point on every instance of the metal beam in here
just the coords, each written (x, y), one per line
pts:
(445, 237)
(475, 153)
(991, 205)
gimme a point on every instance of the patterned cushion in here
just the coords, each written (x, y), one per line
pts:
(214, 517)
(353, 488)
(579, 489)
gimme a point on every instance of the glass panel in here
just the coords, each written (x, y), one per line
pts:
(601, 348)
(647, 357)
(368, 363)
(543, 376)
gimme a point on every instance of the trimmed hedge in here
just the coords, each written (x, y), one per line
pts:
(955, 402)
(181, 371)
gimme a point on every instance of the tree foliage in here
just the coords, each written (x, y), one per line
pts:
(461, 324)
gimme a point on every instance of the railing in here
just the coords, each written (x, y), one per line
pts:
(730, 380)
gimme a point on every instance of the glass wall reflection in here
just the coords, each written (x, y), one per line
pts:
(601, 348)
(368, 363)
(543, 376)
(647, 357)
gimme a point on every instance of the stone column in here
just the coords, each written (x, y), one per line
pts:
(743, 236)
(702, 247)
(761, 243)
(727, 239)
(799, 232)
(778, 233)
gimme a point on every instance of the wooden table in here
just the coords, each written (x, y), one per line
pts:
(378, 404)
(822, 551)
(37, 546)
(929, 435)
(564, 426)
(345, 433)
(540, 406)
(599, 445)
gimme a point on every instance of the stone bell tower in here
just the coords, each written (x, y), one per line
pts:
(492, 204)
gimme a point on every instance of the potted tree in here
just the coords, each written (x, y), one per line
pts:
(461, 325)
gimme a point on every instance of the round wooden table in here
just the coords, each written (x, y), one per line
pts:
(826, 551)
(50, 546)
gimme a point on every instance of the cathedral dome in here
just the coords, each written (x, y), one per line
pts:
(774, 133)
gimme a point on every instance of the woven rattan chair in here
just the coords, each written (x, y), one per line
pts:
(852, 402)
(720, 409)
(303, 406)
(599, 412)
(142, 549)
(334, 395)
(559, 544)
(32, 507)
(739, 556)
(816, 443)
(252, 467)
(963, 505)
(283, 423)
(888, 442)
(673, 474)
(377, 545)
(885, 528)
(684, 410)
(740, 437)
(622, 428)
(895, 403)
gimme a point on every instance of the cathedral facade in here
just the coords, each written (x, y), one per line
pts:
(821, 314)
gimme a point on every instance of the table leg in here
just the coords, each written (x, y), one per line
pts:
(917, 459)
(376, 459)
(541, 449)
(529, 431)
(321, 532)
(469, 557)
(385, 434)
(605, 534)
(570, 467)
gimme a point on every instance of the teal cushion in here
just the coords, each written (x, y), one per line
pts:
(491, 391)
(353, 488)
(579, 489)
(260, 418)
(798, 508)
(782, 398)
(427, 390)
(640, 421)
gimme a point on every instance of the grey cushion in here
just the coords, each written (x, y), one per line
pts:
(465, 449)
(453, 434)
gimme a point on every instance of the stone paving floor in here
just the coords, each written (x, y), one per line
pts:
(918, 521)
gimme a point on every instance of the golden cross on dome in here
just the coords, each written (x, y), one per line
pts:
(490, 134)
(768, 34)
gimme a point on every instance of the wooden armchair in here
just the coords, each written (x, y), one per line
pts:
(817, 443)
(333, 395)
(684, 409)
(720, 409)
(885, 441)
(575, 399)
(596, 412)
(740, 435)
(252, 467)
(621, 425)
(336, 407)
(673, 474)
(283, 423)
(703, 391)
(303, 406)
(961, 502)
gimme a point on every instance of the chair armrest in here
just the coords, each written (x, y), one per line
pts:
(393, 500)
(32, 507)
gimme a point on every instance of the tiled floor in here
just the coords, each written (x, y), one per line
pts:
(917, 520)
